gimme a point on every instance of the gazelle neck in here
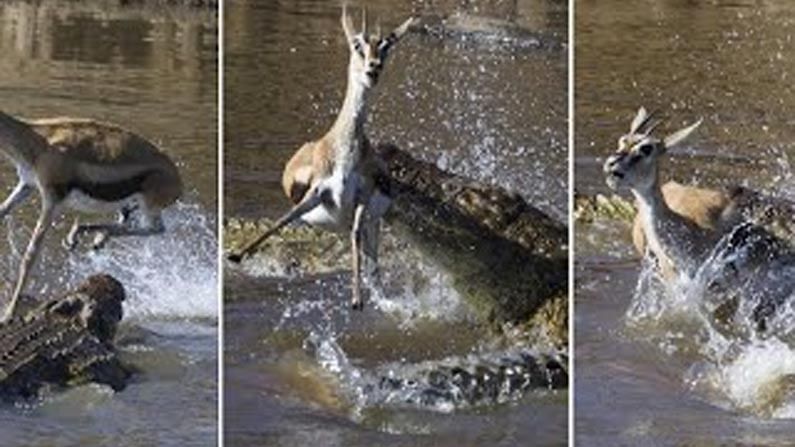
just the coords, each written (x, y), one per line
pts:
(650, 198)
(669, 234)
(19, 142)
(348, 130)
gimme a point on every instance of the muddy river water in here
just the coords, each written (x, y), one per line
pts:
(490, 105)
(151, 69)
(647, 372)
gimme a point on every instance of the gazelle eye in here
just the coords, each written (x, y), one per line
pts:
(646, 149)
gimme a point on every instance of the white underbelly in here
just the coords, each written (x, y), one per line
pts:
(343, 190)
(326, 218)
(79, 201)
(341, 218)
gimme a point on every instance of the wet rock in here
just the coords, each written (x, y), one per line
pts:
(63, 342)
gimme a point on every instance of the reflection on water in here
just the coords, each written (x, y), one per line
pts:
(731, 63)
(152, 69)
(484, 95)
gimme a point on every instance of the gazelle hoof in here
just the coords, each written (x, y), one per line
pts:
(69, 243)
(99, 242)
(235, 257)
(357, 305)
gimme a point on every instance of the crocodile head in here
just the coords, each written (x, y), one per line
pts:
(96, 304)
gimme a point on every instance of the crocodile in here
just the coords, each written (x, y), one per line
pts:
(457, 384)
(507, 259)
(480, 378)
(589, 208)
(65, 341)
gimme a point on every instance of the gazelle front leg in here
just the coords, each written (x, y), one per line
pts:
(356, 238)
(312, 200)
(32, 252)
(18, 195)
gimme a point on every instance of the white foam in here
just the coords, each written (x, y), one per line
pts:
(748, 379)
(172, 275)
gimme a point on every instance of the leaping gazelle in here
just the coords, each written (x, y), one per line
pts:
(337, 182)
(87, 166)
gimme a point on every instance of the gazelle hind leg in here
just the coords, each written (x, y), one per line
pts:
(356, 239)
(78, 230)
(377, 207)
(148, 223)
(371, 233)
(101, 238)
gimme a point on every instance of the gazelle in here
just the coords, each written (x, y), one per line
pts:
(676, 241)
(87, 166)
(704, 207)
(337, 182)
(681, 225)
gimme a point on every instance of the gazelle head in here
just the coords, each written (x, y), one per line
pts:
(635, 162)
(369, 51)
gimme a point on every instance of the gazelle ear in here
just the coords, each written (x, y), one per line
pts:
(398, 32)
(347, 24)
(681, 134)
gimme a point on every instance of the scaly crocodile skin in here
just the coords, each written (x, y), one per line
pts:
(64, 341)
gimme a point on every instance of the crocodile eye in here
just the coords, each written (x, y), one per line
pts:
(646, 149)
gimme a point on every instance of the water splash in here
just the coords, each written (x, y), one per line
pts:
(410, 288)
(734, 360)
(173, 275)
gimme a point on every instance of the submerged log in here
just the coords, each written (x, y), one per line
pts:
(63, 342)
